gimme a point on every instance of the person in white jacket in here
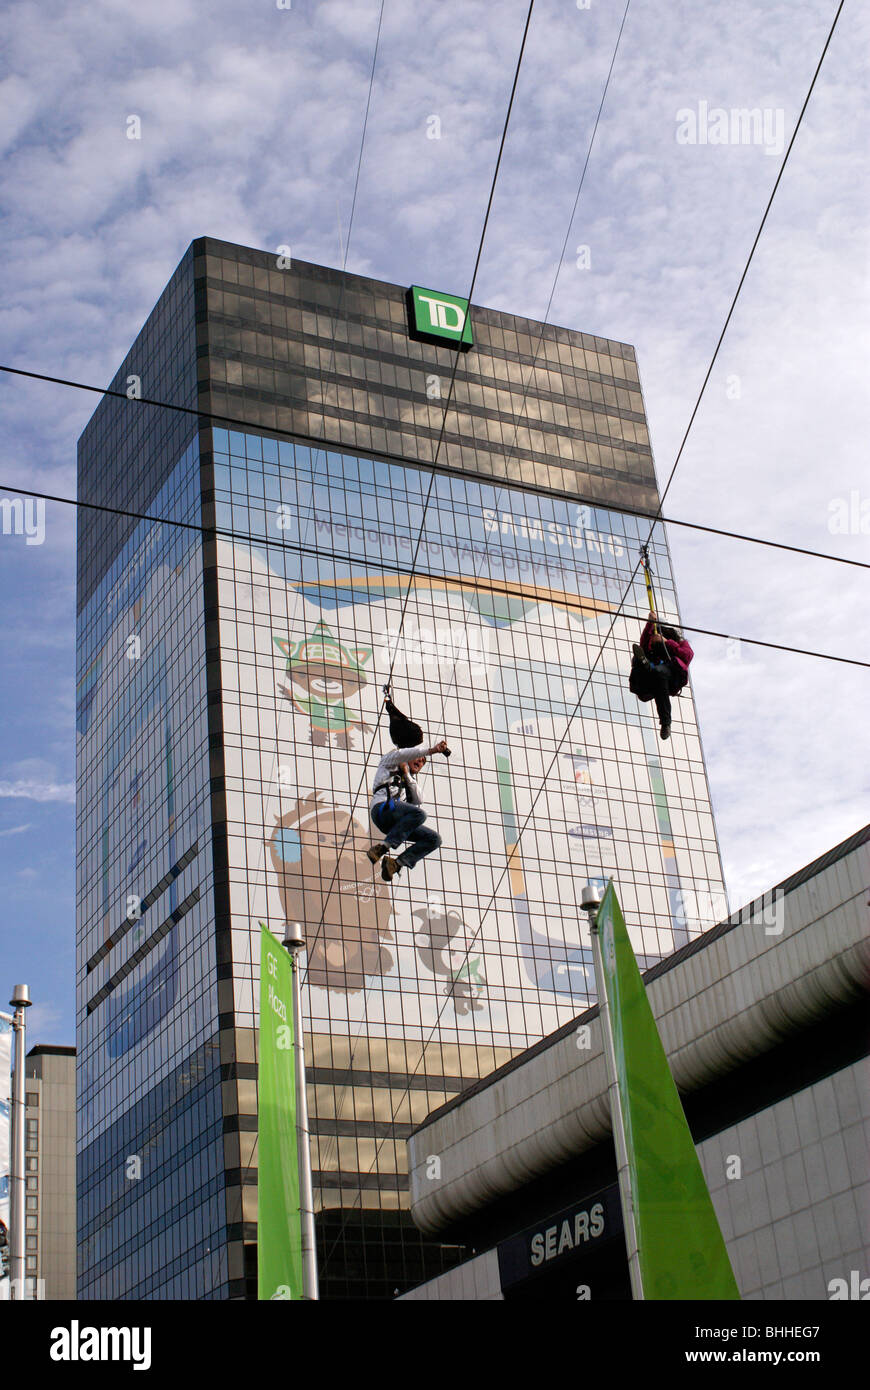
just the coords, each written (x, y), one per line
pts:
(397, 811)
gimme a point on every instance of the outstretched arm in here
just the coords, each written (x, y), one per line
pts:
(407, 755)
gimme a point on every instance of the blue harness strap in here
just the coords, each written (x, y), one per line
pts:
(392, 802)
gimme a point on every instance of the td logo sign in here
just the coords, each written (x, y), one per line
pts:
(440, 317)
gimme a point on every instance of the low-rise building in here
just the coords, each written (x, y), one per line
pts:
(764, 1021)
(50, 1171)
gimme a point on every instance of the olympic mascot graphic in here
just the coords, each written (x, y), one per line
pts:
(323, 676)
(440, 941)
(325, 880)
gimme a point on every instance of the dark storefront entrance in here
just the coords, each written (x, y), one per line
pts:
(573, 1255)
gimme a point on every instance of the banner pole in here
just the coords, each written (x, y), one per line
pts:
(17, 1284)
(295, 946)
(590, 903)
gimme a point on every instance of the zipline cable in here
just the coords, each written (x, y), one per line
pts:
(261, 540)
(387, 684)
(486, 585)
(658, 518)
(344, 248)
(512, 451)
(707, 374)
(618, 611)
(433, 475)
(761, 226)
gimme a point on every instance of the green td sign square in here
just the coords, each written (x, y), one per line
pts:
(441, 316)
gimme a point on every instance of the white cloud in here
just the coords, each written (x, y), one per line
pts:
(251, 128)
(34, 779)
(36, 791)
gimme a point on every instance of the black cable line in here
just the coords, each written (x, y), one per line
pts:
(774, 646)
(579, 500)
(697, 403)
(426, 503)
(489, 586)
(336, 318)
(656, 519)
(748, 261)
(618, 611)
(545, 321)
(363, 138)
(433, 474)
(415, 555)
(324, 442)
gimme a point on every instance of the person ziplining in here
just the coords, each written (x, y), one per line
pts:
(396, 807)
(660, 661)
(660, 668)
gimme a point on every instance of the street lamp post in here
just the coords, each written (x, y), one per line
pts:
(20, 1001)
(294, 944)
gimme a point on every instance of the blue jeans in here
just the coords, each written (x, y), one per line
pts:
(406, 823)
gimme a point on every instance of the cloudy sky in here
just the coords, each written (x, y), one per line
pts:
(251, 117)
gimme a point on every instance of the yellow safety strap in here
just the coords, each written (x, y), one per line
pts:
(649, 588)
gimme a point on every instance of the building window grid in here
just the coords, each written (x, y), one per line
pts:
(333, 1148)
(398, 320)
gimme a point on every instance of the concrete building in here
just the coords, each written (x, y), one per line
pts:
(50, 1171)
(765, 1023)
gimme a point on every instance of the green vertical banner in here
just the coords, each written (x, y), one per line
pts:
(681, 1247)
(279, 1225)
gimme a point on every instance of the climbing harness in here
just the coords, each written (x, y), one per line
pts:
(393, 788)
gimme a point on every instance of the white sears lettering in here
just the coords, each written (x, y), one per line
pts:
(555, 1240)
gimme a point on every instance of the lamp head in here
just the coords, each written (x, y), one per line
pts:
(589, 899)
(294, 937)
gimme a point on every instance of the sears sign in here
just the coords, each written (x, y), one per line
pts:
(554, 1240)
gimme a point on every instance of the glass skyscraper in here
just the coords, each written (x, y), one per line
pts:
(315, 512)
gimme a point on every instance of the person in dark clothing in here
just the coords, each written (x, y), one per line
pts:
(660, 668)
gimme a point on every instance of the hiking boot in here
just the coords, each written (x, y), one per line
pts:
(640, 655)
(376, 852)
(390, 868)
(666, 730)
